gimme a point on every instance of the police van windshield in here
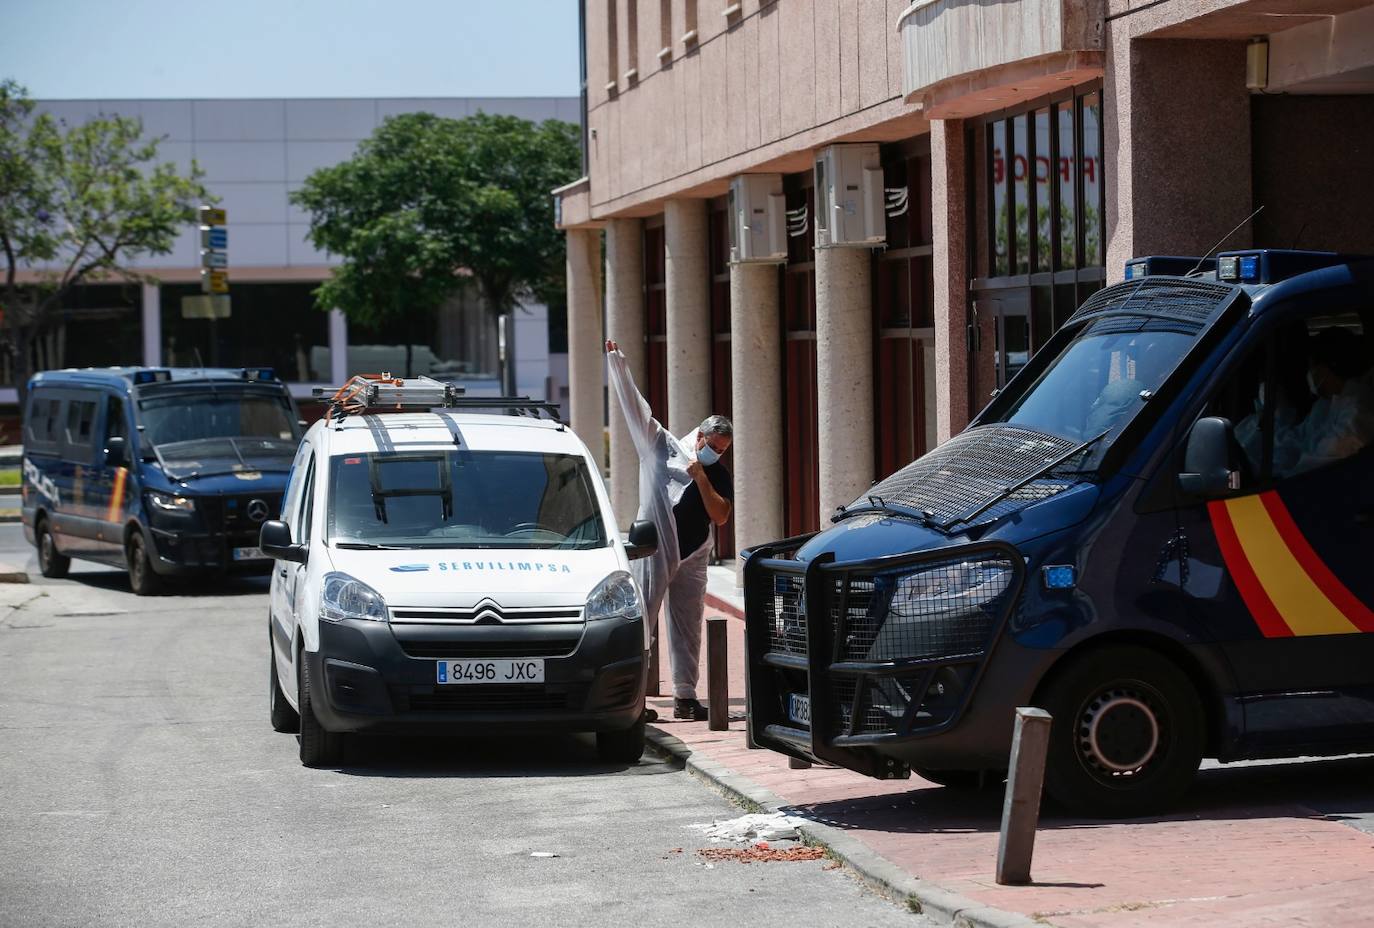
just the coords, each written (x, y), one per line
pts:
(463, 499)
(1098, 384)
(209, 430)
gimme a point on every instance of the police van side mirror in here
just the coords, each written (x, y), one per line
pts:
(116, 451)
(275, 542)
(642, 540)
(1207, 467)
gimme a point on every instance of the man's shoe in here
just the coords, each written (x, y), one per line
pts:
(689, 709)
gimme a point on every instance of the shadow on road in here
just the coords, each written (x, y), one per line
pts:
(1340, 789)
(117, 581)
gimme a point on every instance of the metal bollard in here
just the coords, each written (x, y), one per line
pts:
(1021, 807)
(717, 675)
(796, 763)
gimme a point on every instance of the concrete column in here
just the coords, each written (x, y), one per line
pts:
(844, 374)
(152, 325)
(949, 216)
(756, 395)
(625, 324)
(1168, 193)
(338, 347)
(586, 369)
(689, 314)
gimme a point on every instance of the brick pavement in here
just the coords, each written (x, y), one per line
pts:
(1236, 854)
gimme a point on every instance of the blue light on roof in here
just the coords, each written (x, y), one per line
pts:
(1249, 267)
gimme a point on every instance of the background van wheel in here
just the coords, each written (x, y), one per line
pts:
(143, 580)
(51, 563)
(621, 747)
(284, 718)
(319, 748)
(1128, 733)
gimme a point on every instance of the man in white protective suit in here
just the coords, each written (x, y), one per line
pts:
(683, 490)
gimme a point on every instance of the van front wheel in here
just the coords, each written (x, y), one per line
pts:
(142, 578)
(1127, 735)
(51, 563)
(621, 747)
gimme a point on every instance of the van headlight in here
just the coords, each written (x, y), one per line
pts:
(616, 597)
(168, 502)
(951, 587)
(346, 597)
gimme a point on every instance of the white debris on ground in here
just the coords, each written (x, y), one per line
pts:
(747, 829)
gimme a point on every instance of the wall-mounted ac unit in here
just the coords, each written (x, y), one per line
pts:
(849, 196)
(757, 211)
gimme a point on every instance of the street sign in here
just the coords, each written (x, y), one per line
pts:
(205, 306)
(213, 281)
(210, 216)
(214, 237)
(212, 258)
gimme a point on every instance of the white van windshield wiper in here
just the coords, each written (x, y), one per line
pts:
(369, 546)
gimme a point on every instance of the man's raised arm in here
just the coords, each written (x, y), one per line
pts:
(643, 427)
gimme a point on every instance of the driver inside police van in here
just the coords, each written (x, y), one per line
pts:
(1340, 422)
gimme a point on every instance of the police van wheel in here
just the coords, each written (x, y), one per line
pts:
(621, 747)
(283, 717)
(143, 580)
(1127, 736)
(51, 562)
(319, 748)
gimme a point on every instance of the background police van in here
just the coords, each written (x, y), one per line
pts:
(443, 572)
(160, 471)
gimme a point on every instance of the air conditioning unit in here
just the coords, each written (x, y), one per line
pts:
(849, 197)
(757, 214)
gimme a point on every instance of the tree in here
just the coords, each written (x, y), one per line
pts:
(428, 203)
(76, 204)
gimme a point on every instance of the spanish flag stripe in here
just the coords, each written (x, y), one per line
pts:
(112, 514)
(1261, 607)
(1304, 607)
(1356, 612)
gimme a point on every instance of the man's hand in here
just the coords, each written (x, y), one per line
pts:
(611, 347)
(696, 471)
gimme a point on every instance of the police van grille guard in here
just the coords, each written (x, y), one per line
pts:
(894, 648)
(954, 479)
(1172, 303)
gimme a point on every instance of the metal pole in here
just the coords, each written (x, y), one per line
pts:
(1021, 807)
(655, 685)
(717, 674)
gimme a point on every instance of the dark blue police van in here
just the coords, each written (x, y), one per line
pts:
(162, 472)
(1161, 530)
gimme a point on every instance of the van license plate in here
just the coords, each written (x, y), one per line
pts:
(248, 554)
(492, 671)
(799, 708)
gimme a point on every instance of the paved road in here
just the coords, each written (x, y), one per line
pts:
(141, 785)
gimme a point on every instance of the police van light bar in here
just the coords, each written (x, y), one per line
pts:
(258, 373)
(1238, 267)
(160, 376)
(1167, 265)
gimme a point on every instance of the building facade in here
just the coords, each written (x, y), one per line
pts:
(981, 168)
(255, 153)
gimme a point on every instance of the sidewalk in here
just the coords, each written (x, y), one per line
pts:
(1240, 852)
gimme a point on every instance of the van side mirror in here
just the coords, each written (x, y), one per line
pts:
(275, 542)
(116, 451)
(1207, 467)
(642, 540)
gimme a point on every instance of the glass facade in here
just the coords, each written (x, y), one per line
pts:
(271, 325)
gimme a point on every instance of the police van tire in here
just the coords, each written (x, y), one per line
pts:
(143, 580)
(621, 747)
(284, 718)
(52, 563)
(1127, 736)
(319, 747)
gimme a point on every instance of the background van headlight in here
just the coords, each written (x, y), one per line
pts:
(171, 503)
(346, 597)
(616, 597)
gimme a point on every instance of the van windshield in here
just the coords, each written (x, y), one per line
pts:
(463, 499)
(1098, 384)
(211, 431)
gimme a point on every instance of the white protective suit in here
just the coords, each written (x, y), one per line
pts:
(1336, 427)
(680, 577)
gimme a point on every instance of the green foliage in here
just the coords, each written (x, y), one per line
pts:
(428, 200)
(83, 199)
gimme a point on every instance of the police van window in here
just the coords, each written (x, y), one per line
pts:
(44, 423)
(115, 426)
(1332, 416)
(80, 421)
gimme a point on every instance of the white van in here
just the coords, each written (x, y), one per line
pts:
(443, 572)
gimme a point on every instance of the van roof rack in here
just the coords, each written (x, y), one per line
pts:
(384, 393)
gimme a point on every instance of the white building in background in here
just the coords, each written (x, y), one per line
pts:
(254, 154)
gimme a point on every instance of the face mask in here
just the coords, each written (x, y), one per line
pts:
(707, 455)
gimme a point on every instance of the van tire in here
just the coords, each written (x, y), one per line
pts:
(284, 718)
(1115, 708)
(52, 563)
(621, 747)
(319, 747)
(143, 580)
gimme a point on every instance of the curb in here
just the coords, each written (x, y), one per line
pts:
(724, 605)
(919, 895)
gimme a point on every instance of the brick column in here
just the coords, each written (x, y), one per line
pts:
(949, 215)
(687, 274)
(586, 369)
(844, 374)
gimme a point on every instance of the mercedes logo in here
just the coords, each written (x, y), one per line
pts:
(257, 510)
